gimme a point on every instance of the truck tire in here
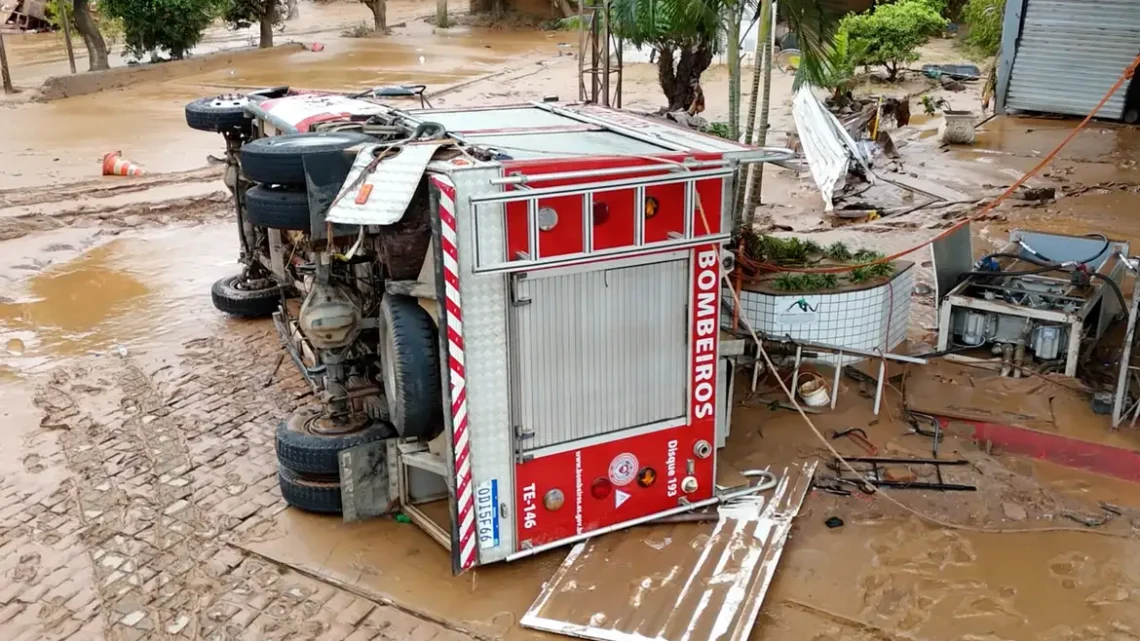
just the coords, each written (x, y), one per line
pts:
(232, 298)
(277, 208)
(218, 114)
(303, 450)
(409, 354)
(321, 496)
(279, 160)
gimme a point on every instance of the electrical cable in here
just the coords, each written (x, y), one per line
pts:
(1103, 248)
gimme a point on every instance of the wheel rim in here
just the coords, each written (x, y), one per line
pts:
(313, 140)
(321, 425)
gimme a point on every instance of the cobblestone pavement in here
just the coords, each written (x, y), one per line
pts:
(159, 470)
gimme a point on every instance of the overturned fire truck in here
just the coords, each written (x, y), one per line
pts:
(522, 303)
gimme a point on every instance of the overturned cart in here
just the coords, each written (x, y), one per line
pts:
(529, 296)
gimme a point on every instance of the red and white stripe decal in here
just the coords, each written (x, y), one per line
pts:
(461, 441)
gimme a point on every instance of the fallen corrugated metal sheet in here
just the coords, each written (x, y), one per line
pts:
(1070, 53)
(827, 146)
(686, 582)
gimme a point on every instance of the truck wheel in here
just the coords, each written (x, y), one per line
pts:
(277, 207)
(409, 354)
(233, 295)
(321, 496)
(303, 448)
(218, 114)
(279, 160)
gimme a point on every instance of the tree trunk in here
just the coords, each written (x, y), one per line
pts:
(734, 71)
(268, 17)
(96, 46)
(750, 121)
(379, 10)
(5, 76)
(680, 83)
(756, 176)
(293, 11)
(441, 14)
(567, 10)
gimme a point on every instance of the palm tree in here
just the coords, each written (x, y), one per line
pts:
(687, 34)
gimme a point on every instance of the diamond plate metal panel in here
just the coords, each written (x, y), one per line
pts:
(393, 183)
(485, 334)
(1071, 52)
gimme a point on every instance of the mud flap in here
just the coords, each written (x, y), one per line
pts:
(325, 173)
(367, 480)
(688, 585)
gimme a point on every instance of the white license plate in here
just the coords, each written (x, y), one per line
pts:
(487, 513)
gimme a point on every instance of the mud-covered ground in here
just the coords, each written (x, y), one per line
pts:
(138, 494)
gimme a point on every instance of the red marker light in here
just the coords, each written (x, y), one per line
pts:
(601, 488)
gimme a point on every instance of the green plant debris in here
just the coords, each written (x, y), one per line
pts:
(839, 252)
(796, 252)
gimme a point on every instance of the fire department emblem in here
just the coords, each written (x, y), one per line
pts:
(623, 469)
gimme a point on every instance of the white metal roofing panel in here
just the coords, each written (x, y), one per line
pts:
(1071, 52)
(577, 143)
(394, 182)
(515, 117)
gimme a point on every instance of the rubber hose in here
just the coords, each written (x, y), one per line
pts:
(1115, 288)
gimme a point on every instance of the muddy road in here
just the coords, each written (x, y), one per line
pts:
(138, 495)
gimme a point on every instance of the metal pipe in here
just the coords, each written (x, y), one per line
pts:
(849, 350)
(638, 521)
(1126, 358)
(1018, 359)
(879, 384)
(1006, 360)
(835, 380)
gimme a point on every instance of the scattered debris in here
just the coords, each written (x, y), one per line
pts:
(833, 522)
(1013, 511)
(876, 473)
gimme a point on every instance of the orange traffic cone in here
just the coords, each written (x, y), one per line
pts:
(115, 165)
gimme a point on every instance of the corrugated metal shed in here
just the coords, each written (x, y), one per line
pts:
(1069, 54)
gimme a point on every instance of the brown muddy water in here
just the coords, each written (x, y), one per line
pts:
(134, 292)
(65, 140)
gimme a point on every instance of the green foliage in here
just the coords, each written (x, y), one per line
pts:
(678, 23)
(838, 252)
(839, 72)
(151, 27)
(891, 34)
(720, 130)
(110, 28)
(984, 18)
(931, 106)
(240, 14)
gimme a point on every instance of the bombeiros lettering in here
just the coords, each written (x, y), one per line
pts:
(704, 360)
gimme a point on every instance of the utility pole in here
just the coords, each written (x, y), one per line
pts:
(6, 76)
(67, 35)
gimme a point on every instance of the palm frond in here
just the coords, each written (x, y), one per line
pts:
(814, 23)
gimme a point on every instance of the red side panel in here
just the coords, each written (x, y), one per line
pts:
(613, 215)
(604, 484)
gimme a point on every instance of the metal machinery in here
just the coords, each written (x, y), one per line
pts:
(1035, 302)
(521, 303)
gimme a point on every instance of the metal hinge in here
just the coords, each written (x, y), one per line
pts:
(518, 300)
(522, 434)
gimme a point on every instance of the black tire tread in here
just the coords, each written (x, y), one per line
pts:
(317, 496)
(244, 303)
(310, 454)
(202, 115)
(274, 161)
(277, 208)
(416, 403)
